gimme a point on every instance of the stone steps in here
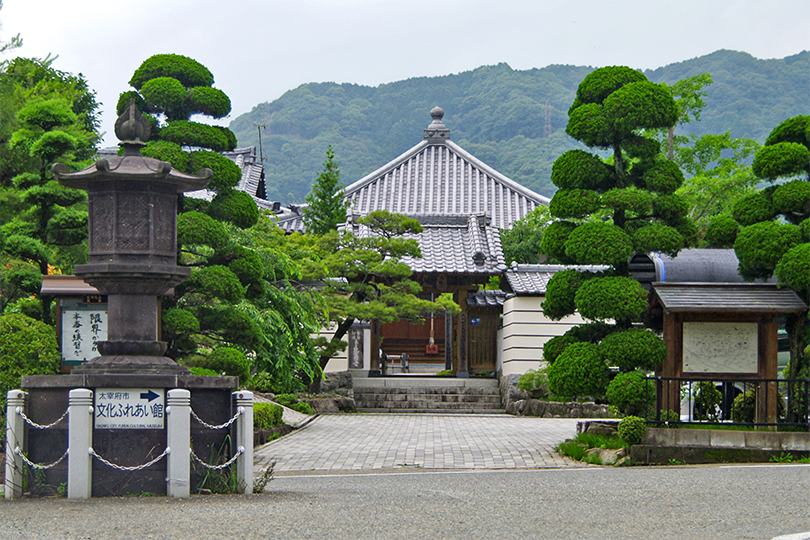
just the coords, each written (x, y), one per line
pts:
(427, 394)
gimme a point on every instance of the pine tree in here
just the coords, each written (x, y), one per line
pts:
(326, 206)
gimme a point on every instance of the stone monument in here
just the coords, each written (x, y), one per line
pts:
(132, 258)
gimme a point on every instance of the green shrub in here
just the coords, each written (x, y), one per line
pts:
(532, 380)
(631, 349)
(27, 347)
(229, 361)
(707, 400)
(631, 393)
(618, 297)
(721, 231)
(266, 415)
(631, 429)
(235, 207)
(744, 407)
(303, 407)
(261, 382)
(578, 372)
(670, 418)
(288, 400)
(555, 346)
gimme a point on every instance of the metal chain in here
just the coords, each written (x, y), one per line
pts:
(41, 467)
(239, 452)
(31, 423)
(239, 411)
(135, 468)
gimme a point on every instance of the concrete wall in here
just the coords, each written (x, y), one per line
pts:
(525, 330)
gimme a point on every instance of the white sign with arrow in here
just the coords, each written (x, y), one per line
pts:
(129, 408)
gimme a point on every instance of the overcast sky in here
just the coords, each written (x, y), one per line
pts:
(259, 49)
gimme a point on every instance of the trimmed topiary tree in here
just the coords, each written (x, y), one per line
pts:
(578, 372)
(766, 246)
(172, 88)
(608, 212)
(632, 394)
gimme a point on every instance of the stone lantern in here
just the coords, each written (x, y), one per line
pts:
(132, 246)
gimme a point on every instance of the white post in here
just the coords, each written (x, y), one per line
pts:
(80, 440)
(178, 439)
(15, 438)
(244, 439)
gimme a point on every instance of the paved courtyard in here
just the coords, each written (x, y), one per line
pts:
(419, 441)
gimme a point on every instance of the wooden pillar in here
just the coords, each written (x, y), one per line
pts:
(448, 341)
(462, 365)
(768, 393)
(670, 398)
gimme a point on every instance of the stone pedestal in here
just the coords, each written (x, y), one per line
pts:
(211, 399)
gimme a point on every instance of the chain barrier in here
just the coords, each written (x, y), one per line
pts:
(134, 468)
(36, 466)
(238, 453)
(33, 424)
(239, 411)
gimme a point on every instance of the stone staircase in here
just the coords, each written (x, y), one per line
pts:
(428, 394)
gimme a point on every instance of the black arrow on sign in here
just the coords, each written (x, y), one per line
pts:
(149, 396)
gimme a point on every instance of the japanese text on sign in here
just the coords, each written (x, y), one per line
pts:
(131, 408)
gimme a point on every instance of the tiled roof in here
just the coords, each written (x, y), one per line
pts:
(532, 279)
(439, 177)
(452, 245)
(727, 297)
(485, 298)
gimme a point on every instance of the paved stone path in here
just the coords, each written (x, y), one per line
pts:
(426, 441)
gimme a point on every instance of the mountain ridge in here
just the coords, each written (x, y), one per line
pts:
(513, 120)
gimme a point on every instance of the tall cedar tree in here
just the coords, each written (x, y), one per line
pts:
(635, 195)
(326, 208)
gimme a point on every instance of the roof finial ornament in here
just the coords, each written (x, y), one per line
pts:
(437, 132)
(131, 128)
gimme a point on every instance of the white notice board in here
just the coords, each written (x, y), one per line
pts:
(129, 408)
(714, 347)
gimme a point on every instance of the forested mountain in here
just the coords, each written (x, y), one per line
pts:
(497, 113)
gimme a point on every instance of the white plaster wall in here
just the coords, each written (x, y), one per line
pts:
(525, 330)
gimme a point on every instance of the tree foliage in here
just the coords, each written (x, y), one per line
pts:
(633, 200)
(326, 208)
(765, 246)
(173, 88)
(47, 116)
